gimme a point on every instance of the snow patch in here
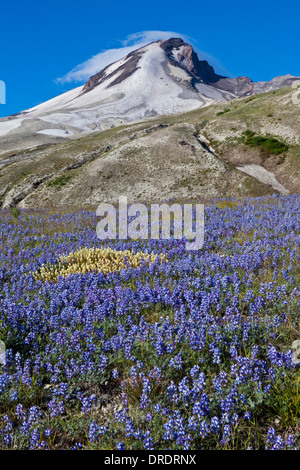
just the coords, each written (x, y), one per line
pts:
(179, 73)
(56, 132)
(263, 175)
(210, 92)
(7, 126)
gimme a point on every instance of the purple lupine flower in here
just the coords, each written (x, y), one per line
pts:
(6, 440)
(93, 431)
(148, 441)
(121, 446)
(35, 439)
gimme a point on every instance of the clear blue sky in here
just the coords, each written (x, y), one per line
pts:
(42, 41)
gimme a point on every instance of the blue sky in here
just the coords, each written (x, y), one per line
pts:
(46, 47)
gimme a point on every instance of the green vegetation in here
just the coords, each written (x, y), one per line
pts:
(268, 144)
(250, 99)
(60, 181)
(226, 110)
(15, 212)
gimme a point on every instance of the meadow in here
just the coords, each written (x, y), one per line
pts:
(182, 350)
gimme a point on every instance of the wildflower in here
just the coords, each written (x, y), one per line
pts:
(55, 408)
(121, 446)
(77, 446)
(148, 441)
(48, 432)
(201, 408)
(94, 431)
(226, 435)
(204, 429)
(214, 425)
(7, 440)
(183, 389)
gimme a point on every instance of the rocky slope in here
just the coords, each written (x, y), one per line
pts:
(197, 154)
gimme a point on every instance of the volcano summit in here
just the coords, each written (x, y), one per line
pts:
(163, 77)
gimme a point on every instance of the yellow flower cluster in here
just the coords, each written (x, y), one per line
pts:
(104, 260)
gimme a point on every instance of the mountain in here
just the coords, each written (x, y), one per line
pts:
(161, 78)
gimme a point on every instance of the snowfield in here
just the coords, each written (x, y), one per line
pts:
(7, 126)
(154, 88)
(56, 132)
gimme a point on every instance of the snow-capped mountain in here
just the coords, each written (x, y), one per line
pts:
(164, 77)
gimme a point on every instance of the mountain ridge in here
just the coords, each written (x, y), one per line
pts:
(161, 78)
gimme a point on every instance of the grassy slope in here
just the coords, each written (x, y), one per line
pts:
(103, 160)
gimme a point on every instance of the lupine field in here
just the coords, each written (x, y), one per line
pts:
(193, 350)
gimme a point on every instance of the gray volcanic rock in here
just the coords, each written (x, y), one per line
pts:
(244, 86)
(183, 55)
(202, 72)
(126, 69)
